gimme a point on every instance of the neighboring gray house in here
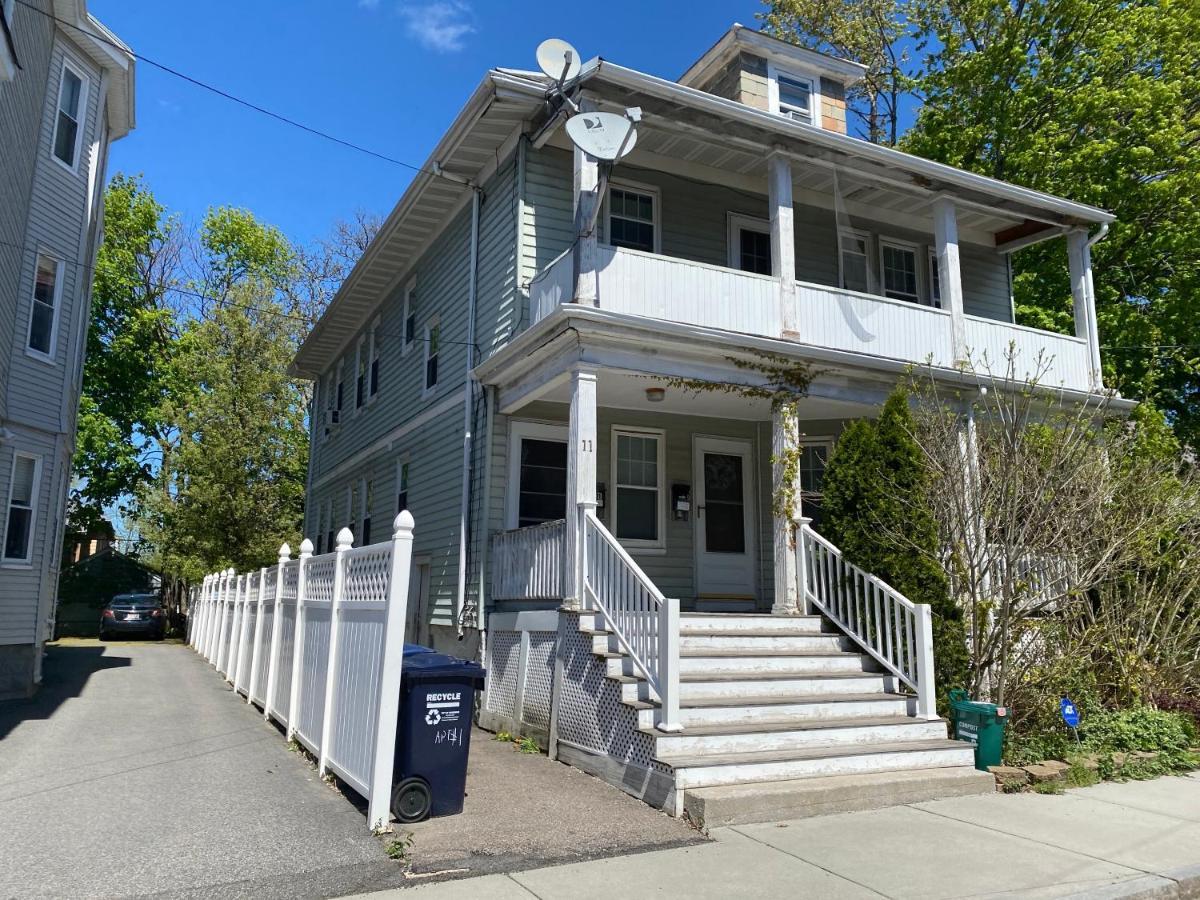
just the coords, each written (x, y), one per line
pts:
(66, 91)
(505, 372)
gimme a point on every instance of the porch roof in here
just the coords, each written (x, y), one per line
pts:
(535, 363)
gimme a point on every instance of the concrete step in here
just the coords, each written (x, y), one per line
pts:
(751, 709)
(773, 801)
(776, 643)
(695, 623)
(721, 739)
(704, 686)
(711, 769)
(771, 662)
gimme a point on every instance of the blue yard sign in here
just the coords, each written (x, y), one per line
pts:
(1070, 712)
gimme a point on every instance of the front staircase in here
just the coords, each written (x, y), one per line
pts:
(783, 717)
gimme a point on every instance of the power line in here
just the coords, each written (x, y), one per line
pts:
(247, 103)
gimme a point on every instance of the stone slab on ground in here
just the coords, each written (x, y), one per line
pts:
(1041, 772)
(1006, 775)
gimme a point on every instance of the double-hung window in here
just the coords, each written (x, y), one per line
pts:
(366, 488)
(72, 100)
(341, 389)
(855, 268)
(433, 341)
(43, 316)
(898, 268)
(795, 97)
(401, 486)
(360, 375)
(814, 457)
(633, 217)
(22, 501)
(373, 372)
(637, 460)
(935, 279)
(410, 315)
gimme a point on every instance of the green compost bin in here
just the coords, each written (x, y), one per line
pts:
(981, 724)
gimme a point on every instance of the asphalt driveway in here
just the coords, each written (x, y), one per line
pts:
(137, 772)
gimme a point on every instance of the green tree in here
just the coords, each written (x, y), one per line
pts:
(875, 499)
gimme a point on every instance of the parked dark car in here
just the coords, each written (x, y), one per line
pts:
(128, 614)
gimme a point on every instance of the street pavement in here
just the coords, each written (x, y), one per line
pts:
(1138, 839)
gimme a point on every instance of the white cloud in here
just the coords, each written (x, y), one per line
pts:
(440, 25)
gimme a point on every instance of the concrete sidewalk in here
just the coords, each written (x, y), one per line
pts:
(1111, 840)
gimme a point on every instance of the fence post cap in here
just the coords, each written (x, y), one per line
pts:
(285, 552)
(231, 571)
(345, 538)
(306, 548)
(403, 524)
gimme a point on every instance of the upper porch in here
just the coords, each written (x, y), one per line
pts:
(730, 217)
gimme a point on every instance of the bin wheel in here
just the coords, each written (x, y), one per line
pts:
(411, 800)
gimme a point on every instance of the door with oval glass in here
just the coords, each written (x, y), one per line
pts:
(723, 475)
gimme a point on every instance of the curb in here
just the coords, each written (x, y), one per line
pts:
(1176, 884)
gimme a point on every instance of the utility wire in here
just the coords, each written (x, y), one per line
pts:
(247, 103)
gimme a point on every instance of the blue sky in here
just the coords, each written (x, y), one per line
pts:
(385, 74)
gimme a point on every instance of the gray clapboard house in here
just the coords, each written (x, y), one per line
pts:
(606, 541)
(66, 91)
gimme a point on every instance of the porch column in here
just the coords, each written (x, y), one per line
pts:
(945, 235)
(783, 236)
(785, 440)
(587, 202)
(581, 480)
(1079, 255)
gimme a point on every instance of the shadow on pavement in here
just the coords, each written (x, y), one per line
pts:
(65, 670)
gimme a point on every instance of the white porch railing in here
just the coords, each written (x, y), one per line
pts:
(887, 625)
(645, 623)
(318, 644)
(527, 563)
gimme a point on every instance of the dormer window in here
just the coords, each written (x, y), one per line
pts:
(796, 98)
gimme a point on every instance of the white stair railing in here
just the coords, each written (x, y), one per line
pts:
(887, 625)
(645, 623)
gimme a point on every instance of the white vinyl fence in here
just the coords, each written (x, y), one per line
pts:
(317, 644)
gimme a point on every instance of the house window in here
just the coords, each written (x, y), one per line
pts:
(341, 388)
(365, 493)
(542, 495)
(374, 357)
(633, 218)
(638, 486)
(898, 263)
(401, 486)
(433, 340)
(749, 244)
(72, 95)
(855, 269)
(43, 315)
(22, 498)
(795, 98)
(935, 280)
(360, 375)
(329, 525)
(814, 457)
(410, 315)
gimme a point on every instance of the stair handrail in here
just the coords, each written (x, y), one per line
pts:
(643, 620)
(892, 629)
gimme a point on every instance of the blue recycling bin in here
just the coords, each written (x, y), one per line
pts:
(433, 735)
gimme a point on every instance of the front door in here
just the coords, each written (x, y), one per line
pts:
(724, 532)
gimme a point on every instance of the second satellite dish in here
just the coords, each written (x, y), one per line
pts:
(558, 59)
(604, 135)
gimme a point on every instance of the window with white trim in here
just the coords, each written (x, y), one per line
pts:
(401, 486)
(68, 130)
(410, 315)
(43, 315)
(373, 366)
(935, 279)
(365, 488)
(22, 507)
(749, 244)
(433, 346)
(795, 97)
(341, 387)
(855, 261)
(898, 270)
(360, 374)
(633, 217)
(814, 458)
(637, 467)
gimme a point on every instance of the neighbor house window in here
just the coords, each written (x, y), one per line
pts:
(401, 486)
(341, 388)
(72, 97)
(795, 98)
(22, 498)
(44, 313)
(854, 261)
(365, 532)
(749, 244)
(638, 486)
(373, 371)
(433, 342)
(633, 218)
(898, 263)
(410, 315)
(360, 375)
(935, 280)
(329, 525)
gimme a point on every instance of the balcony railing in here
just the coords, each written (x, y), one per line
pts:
(679, 290)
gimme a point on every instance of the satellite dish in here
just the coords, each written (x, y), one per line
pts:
(604, 135)
(558, 59)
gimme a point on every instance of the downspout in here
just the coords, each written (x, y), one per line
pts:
(1094, 350)
(460, 603)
